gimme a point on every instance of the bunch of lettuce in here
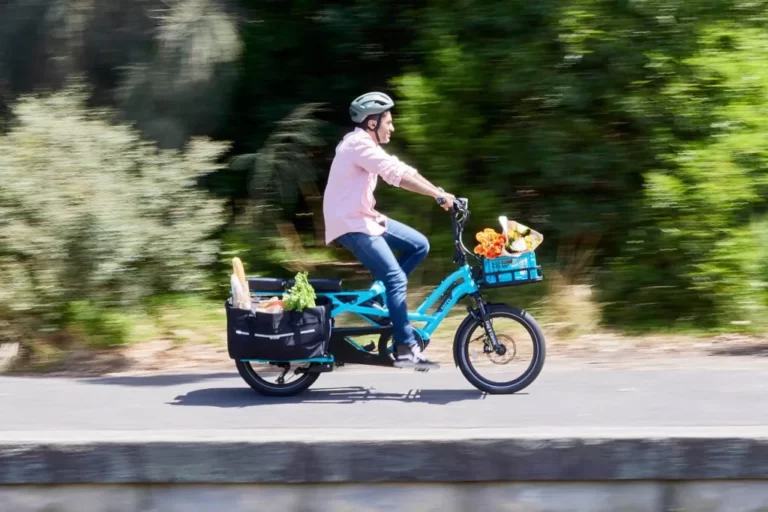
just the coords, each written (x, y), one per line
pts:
(301, 295)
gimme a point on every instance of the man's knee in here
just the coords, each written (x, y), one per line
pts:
(419, 244)
(424, 247)
(396, 280)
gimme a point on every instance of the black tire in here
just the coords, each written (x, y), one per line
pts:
(263, 387)
(461, 351)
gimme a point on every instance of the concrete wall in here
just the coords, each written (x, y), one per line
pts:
(510, 497)
(533, 474)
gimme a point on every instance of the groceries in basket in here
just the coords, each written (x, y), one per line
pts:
(298, 298)
(514, 240)
(491, 243)
(301, 295)
(293, 327)
(520, 238)
(271, 305)
(241, 296)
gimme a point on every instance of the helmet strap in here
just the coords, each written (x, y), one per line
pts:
(376, 128)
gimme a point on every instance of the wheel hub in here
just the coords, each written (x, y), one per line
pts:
(503, 355)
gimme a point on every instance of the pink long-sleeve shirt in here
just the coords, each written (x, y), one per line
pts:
(348, 203)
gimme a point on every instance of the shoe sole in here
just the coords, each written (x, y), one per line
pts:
(418, 367)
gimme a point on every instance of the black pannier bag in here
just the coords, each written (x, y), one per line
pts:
(284, 336)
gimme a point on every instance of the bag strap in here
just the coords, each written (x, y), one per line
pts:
(296, 317)
(251, 323)
(297, 323)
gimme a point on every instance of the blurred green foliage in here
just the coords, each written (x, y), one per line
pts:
(628, 132)
(92, 217)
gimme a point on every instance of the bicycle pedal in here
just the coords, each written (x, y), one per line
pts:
(370, 347)
(422, 370)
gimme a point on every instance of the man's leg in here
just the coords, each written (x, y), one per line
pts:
(412, 245)
(413, 248)
(376, 255)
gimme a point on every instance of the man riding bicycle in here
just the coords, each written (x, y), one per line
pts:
(352, 221)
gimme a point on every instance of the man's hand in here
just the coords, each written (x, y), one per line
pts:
(445, 200)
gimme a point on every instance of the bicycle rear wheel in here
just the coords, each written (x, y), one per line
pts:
(257, 376)
(516, 367)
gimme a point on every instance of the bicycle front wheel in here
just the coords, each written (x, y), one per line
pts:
(519, 362)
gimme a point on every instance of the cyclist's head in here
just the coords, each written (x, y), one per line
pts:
(371, 113)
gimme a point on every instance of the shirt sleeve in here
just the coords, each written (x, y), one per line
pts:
(375, 160)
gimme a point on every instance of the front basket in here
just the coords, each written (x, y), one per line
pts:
(510, 271)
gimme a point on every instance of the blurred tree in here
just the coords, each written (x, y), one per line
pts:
(310, 51)
(91, 212)
(582, 118)
(45, 41)
(183, 87)
(167, 65)
(628, 132)
(697, 253)
(545, 105)
(280, 174)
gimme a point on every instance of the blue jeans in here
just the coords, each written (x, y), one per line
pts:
(375, 253)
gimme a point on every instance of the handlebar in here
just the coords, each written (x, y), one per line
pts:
(461, 205)
(459, 218)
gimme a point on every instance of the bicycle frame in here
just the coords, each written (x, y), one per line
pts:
(460, 284)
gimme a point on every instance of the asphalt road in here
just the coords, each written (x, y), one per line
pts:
(570, 397)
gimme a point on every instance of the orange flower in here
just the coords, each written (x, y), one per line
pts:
(491, 243)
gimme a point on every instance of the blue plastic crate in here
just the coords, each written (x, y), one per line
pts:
(510, 270)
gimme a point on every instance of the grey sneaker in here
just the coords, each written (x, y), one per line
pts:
(412, 357)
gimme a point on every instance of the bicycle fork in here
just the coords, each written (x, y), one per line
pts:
(481, 315)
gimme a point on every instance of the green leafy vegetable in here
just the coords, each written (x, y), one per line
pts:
(301, 295)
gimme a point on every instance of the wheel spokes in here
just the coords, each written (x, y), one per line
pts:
(515, 357)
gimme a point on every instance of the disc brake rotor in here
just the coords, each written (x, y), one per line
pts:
(506, 341)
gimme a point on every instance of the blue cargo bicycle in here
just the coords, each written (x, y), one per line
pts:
(499, 349)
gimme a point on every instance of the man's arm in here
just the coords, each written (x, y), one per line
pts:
(374, 159)
(421, 185)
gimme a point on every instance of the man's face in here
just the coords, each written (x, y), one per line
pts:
(386, 127)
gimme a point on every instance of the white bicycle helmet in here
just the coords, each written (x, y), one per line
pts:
(369, 104)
